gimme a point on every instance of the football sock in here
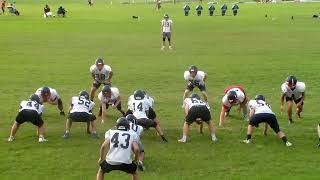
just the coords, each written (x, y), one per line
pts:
(249, 136)
(284, 139)
(163, 138)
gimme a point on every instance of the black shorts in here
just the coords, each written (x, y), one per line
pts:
(29, 116)
(198, 112)
(128, 168)
(146, 123)
(191, 86)
(268, 118)
(81, 117)
(151, 114)
(97, 84)
(295, 101)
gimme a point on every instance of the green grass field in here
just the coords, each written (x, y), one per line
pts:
(249, 50)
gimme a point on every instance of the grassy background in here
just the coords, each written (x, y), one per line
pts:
(250, 50)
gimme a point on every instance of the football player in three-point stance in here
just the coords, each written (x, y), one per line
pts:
(234, 95)
(293, 91)
(109, 96)
(139, 106)
(197, 79)
(81, 111)
(196, 111)
(115, 152)
(101, 74)
(51, 96)
(30, 111)
(260, 112)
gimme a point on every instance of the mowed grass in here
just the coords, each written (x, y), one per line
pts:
(248, 50)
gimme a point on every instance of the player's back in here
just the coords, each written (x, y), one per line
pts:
(81, 104)
(260, 106)
(139, 108)
(31, 105)
(134, 128)
(120, 146)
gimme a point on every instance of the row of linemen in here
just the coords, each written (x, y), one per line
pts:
(211, 8)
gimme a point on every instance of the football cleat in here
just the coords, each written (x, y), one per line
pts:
(11, 138)
(95, 136)
(141, 166)
(41, 140)
(66, 135)
(214, 139)
(247, 141)
(288, 144)
(170, 47)
(182, 140)
(162, 48)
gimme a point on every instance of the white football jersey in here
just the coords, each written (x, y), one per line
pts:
(260, 107)
(296, 93)
(166, 25)
(149, 100)
(190, 102)
(114, 96)
(101, 76)
(199, 77)
(81, 104)
(134, 128)
(54, 96)
(31, 105)
(120, 146)
(139, 108)
(240, 97)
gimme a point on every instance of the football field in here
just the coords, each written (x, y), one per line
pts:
(251, 50)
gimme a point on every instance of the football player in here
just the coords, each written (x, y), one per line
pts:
(51, 96)
(30, 111)
(81, 111)
(101, 74)
(318, 130)
(195, 78)
(138, 130)
(293, 91)
(234, 95)
(166, 30)
(260, 112)
(196, 111)
(109, 96)
(115, 152)
(139, 106)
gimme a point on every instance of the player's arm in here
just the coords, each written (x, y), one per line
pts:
(136, 151)
(70, 108)
(251, 113)
(205, 77)
(265, 129)
(103, 151)
(117, 102)
(243, 104)
(302, 99)
(282, 101)
(103, 111)
(186, 109)
(222, 115)
(110, 76)
(93, 76)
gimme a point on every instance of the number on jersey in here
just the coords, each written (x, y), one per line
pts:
(139, 107)
(36, 105)
(115, 140)
(82, 101)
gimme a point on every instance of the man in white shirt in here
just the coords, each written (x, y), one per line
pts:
(29, 111)
(195, 78)
(101, 74)
(81, 111)
(51, 96)
(196, 111)
(260, 112)
(293, 91)
(234, 95)
(109, 96)
(115, 152)
(166, 30)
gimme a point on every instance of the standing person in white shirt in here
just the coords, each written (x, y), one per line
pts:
(260, 112)
(196, 111)
(30, 111)
(81, 111)
(195, 78)
(109, 96)
(115, 152)
(101, 74)
(166, 31)
(293, 91)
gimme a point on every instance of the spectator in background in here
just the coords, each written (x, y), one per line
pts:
(199, 9)
(186, 9)
(47, 11)
(224, 8)
(211, 9)
(61, 12)
(235, 8)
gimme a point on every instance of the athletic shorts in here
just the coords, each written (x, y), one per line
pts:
(268, 118)
(191, 86)
(198, 112)
(151, 114)
(29, 116)
(295, 101)
(128, 168)
(81, 117)
(146, 123)
(166, 35)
